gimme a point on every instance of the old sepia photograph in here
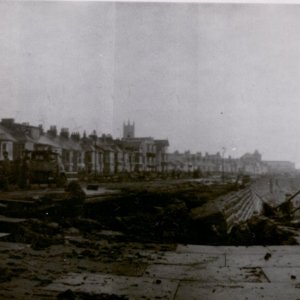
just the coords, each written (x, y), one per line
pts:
(149, 150)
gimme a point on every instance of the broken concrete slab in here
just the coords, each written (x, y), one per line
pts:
(109, 233)
(4, 234)
(249, 291)
(206, 274)
(4, 246)
(255, 260)
(4, 219)
(132, 287)
(283, 274)
(94, 193)
(286, 249)
(9, 224)
(221, 249)
(199, 249)
(173, 258)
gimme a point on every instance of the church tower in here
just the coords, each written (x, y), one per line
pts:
(128, 130)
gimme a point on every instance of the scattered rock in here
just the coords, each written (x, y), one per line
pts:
(5, 275)
(72, 231)
(260, 230)
(67, 295)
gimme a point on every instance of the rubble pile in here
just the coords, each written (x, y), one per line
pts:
(39, 233)
(261, 230)
(160, 214)
(120, 232)
(181, 212)
(191, 213)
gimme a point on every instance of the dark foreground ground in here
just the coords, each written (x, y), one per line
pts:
(130, 231)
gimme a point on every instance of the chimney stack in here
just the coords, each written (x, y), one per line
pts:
(75, 136)
(52, 131)
(7, 122)
(64, 133)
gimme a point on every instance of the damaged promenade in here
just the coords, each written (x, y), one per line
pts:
(167, 239)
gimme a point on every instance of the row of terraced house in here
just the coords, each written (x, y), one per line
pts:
(249, 163)
(104, 155)
(90, 153)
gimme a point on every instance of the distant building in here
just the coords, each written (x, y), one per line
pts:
(128, 130)
(6, 143)
(149, 155)
(25, 135)
(280, 166)
(189, 162)
(251, 163)
(104, 155)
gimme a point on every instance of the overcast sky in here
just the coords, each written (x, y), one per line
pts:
(205, 76)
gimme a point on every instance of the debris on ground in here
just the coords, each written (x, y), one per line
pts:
(261, 230)
(267, 256)
(70, 295)
(65, 231)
